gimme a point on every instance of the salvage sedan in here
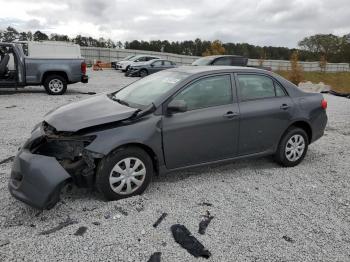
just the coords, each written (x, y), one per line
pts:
(174, 119)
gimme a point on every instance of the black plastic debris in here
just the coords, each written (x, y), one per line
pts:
(13, 106)
(6, 160)
(204, 223)
(206, 204)
(184, 237)
(96, 223)
(121, 210)
(81, 231)
(87, 93)
(288, 239)
(61, 225)
(159, 220)
(155, 257)
(4, 242)
(107, 215)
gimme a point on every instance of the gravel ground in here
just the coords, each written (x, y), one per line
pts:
(262, 212)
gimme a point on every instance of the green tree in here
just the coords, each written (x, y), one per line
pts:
(40, 36)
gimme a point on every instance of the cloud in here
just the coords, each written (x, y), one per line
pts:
(262, 22)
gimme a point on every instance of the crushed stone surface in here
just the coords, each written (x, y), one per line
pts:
(263, 212)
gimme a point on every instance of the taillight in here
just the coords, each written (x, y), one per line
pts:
(83, 68)
(324, 104)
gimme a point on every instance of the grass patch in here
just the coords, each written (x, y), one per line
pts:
(339, 81)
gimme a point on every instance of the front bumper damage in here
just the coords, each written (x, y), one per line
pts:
(46, 163)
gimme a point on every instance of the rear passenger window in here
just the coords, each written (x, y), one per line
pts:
(279, 90)
(167, 63)
(257, 86)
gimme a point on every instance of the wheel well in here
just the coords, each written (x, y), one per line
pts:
(148, 150)
(60, 73)
(306, 127)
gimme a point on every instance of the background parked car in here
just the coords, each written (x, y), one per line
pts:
(149, 67)
(124, 65)
(114, 63)
(222, 60)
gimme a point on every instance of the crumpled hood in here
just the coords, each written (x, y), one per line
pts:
(94, 111)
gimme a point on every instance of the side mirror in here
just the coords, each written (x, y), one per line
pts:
(177, 106)
(152, 65)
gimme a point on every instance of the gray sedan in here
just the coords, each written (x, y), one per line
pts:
(175, 119)
(149, 67)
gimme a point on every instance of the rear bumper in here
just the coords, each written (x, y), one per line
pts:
(37, 180)
(84, 79)
(319, 126)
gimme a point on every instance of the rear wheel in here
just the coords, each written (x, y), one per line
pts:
(292, 147)
(55, 85)
(124, 173)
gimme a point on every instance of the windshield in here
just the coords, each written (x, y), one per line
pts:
(203, 61)
(147, 90)
(128, 57)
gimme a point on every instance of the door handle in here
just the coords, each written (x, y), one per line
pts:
(230, 114)
(284, 106)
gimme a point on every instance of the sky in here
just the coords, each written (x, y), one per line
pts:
(258, 22)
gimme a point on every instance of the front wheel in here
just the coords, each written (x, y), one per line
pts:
(55, 85)
(143, 73)
(292, 147)
(124, 173)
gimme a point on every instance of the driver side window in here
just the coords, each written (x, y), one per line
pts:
(207, 92)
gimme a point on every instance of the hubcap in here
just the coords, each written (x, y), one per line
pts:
(143, 73)
(56, 85)
(295, 148)
(127, 175)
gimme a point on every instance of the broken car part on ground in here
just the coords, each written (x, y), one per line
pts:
(170, 120)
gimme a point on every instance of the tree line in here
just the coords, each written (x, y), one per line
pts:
(318, 47)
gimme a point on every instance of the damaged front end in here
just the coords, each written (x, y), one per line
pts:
(49, 160)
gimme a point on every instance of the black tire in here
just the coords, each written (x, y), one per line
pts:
(51, 80)
(143, 73)
(106, 165)
(281, 155)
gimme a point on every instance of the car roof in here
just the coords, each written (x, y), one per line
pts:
(217, 56)
(213, 69)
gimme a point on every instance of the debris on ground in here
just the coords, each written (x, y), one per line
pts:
(117, 216)
(81, 231)
(6, 160)
(143, 232)
(61, 225)
(107, 215)
(89, 209)
(13, 106)
(155, 257)
(205, 204)
(159, 220)
(184, 237)
(4, 242)
(121, 210)
(87, 93)
(204, 223)
(288, 239)
(96, 223)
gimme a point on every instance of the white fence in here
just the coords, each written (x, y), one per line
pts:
(108, 55)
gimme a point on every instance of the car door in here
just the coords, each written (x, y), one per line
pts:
(265, 112)
(208, 130)
(156, 66)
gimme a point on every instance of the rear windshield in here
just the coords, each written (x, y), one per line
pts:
(203, 61)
